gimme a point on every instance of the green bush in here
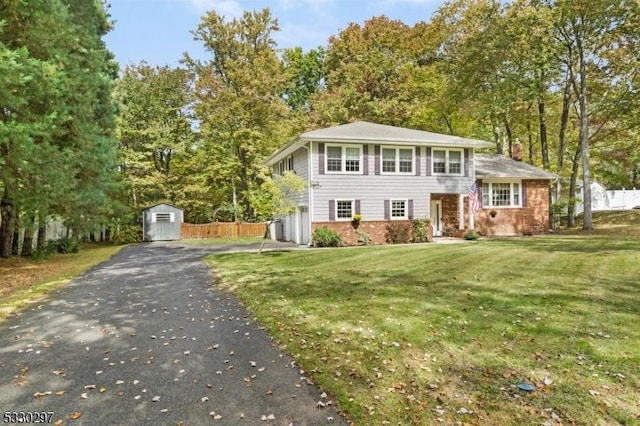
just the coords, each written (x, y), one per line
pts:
(128, 234)
(420, 234)
(325, 237)
(399, 232)
(43, 252)
(471, 235)
(65, 245)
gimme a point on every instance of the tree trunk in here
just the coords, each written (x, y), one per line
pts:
(42, 230)
(587, 219)
(544, 146)
(27, 241)
(7, 225)
(496, 137)
(564, 121)
(507, 128)
(15, 249)
(573, 183)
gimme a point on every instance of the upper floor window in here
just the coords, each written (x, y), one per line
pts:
(344, 159)
(397, 160)
(284, 165)
(447, 161)
(501, 194)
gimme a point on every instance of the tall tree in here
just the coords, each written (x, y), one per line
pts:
(591, 32)
(154, 130)
(239, 102)
(56, 112)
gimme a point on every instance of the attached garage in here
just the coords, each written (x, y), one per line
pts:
(162, 222)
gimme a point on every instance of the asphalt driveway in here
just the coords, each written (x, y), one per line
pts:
(145, 338)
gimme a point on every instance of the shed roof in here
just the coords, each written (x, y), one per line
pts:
(366, 132)
(498, 166)
(162, 204)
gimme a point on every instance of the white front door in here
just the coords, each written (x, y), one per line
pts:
(436, 217)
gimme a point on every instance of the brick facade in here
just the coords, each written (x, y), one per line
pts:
(531, 219)
(376, 229)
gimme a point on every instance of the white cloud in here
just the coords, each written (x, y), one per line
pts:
(228, 8)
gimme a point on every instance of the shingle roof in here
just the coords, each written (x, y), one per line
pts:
(499, 166)
(365, 132)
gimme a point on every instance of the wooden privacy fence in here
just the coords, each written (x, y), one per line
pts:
(221, 229)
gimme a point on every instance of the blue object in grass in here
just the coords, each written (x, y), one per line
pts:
(525, 387)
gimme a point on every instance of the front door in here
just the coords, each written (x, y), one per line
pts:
(436, 217)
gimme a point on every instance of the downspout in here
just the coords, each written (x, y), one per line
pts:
(310, 187)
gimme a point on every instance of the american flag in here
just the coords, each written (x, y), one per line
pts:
(473, 197)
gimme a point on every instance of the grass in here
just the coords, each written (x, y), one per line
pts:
(439, 334)
(24, 281)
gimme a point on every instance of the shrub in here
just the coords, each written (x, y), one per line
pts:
(325, 237)
(128, 234)
(471, 235)
(399, 232)
(65, 245)
(43, 252)
(420, 234)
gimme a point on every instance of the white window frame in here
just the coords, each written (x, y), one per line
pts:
(397, 159)
(343, 159)
(405, 208)
(447, 162)
(488, 194)
(353, 208)
(284, 165)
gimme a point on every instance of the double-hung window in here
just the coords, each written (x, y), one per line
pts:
(399, 209)
(447, 161)
(397, 160)
(344, 159)
(344, 209)
(501, 194)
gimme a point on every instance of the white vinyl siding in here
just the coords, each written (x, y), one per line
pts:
(397, 160)
(501, 194)
(448, 161)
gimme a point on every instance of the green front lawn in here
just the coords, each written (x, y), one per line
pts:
(438, 334)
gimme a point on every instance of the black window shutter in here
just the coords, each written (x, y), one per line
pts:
(356, 207)
(479, 189)
(332, 210)
(376, 150)
(418, 149)
(387, 210)
(466, 161)
(428, 161)
(365, 159)
(321, 158)
(523, 188)
(410, 209)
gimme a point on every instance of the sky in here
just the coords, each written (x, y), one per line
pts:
(159, 31)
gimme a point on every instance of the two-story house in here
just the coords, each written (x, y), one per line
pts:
(385, 173)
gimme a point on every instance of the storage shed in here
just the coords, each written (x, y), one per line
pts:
(162, 222)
